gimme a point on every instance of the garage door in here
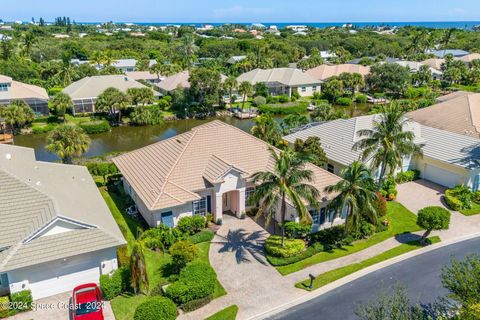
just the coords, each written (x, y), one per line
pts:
(441, 176)
(63, 277)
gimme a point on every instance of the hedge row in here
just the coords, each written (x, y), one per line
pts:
(92, 127)
(287, 109)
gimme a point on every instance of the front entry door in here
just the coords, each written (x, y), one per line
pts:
(226, 201)
(3, 283)
(167, 218)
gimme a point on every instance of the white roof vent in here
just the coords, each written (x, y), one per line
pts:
(8, 156)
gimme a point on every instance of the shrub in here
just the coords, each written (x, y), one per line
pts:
(156, 308)
(196, 281)
(297, 230)
(367, 229)
(433, 218)
(259, 101)
(203, 236)
(191, 225)
(209, 217)
(462, 279)
(311, 250)
(115, 284)
(39, 129)
(380, 205)
(22, 300)
(182, 253)
(476, 196)
(102, 169)
(92, 127)
(196, 304)
(283, 98)
(273, 246)
(453, 202)
(122, 256)
(407, 176)
(4, 307)
(361, 98)
(330, 237)
(161, 237)
(344, 101)
(389, 188)
(460, 197)
(219, 221)
(285, 109)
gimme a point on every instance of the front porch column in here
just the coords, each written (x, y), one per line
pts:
(241, 201)
(218, 209)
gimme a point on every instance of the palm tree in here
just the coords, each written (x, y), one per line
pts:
(138, 269)
(67, 71)
(112, 101)
(289, 180)
(67, 141)
(28, 40)
(62, 102)
(189, 48)
(325, 112)
(169, 69)
(97, 58)
(446, 39)
(230, 84)
(266, 129)
(245, 89)
(387, 144)
(354, 195)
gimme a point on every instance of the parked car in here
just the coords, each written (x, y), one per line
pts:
(87, 302)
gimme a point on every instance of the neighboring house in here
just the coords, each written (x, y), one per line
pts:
(123, 65)
(434, 63)
(205, 170)
(235, 59)
(449, 159)
(147, 76)
(469, 57)
(57, 231)
(325, 72)
(414, 67)
(84, 92)
(458, 112)
(456, 53)
(283, 81)
(178, 81)
(36, 97)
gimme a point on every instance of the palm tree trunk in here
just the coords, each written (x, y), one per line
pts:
(382, 172)
(64, 112)
(283, 213)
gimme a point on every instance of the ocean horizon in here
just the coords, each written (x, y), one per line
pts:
(426, 24)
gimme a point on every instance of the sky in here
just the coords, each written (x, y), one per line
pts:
(243, 10)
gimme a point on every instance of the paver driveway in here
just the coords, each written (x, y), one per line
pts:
(421, 193)
(236, 253)
(58, 310)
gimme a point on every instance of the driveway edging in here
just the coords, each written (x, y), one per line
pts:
(329, 287)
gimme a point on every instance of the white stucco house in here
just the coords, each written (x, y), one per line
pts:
(449, 158)
(57, 231)
(206, 170)
(283, 81)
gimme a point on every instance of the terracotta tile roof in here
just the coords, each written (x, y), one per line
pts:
(169, 172)
(460, 114)
(324, 71)
(469, 57)
(434, 63)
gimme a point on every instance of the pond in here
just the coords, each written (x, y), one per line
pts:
(129, 138)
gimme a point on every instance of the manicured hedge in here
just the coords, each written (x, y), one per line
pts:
(196, 304)
(407, 176)
(311, 250)
(297, 230)
(115, 284)
(202, 236)
(92, 127)
(273, 246)
(286, 109)
(156, 308)
(453, 202)
(196, 281)
(191, 225)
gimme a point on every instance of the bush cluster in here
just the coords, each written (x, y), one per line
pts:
(259, 101)
(361, 98)
(297, 230)
(196, 281)
(161, 237)
(461, 197)
(389, 188)
(4, 309)
(22, 299)
(330, 237)
(196, 304)
(115, 284)
(311, 250)
(287, 109)
(92, 127)
(433, 218)
(380, 205)
(273, 246)
(407, 176)
(182, 252)
(202, 236)
(344, 101)
(191, 225)
(156, 308)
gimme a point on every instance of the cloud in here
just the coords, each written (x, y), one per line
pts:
(240, 12)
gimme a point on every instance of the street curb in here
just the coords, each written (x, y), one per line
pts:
(356, 275)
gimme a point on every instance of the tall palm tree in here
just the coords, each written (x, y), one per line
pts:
(446, 39)
(354, 195)
(138, 269)
(169, 69)
(189, 48)
(245, 89)
(387, 143)
(67, 71)
(289, 180)
(266, 129)
(112, 101)
(230, 84)
(28, 40)
(68, 141)
(62, 102)
(97, 58)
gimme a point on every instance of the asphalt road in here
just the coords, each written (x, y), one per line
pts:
(420, 274)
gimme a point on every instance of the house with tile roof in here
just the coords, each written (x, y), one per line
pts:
(36, 97)
(449, 158)
(458, 112)
(205, 170)
(84, 92)
(324, 72)
(283, 81)
(178, 81)
(57, 231)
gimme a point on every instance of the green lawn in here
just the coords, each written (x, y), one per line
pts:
(157, 262)
(339, 273)
(473, 211)
(229, 313)
(402, 221)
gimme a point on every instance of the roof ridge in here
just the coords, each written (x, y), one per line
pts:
(172, 168)
(232, 165)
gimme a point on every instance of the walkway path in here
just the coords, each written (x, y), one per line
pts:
(251, 283)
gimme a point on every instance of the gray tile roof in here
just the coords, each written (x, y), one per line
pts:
(454, 52)
(34, 195)
(339, 136)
